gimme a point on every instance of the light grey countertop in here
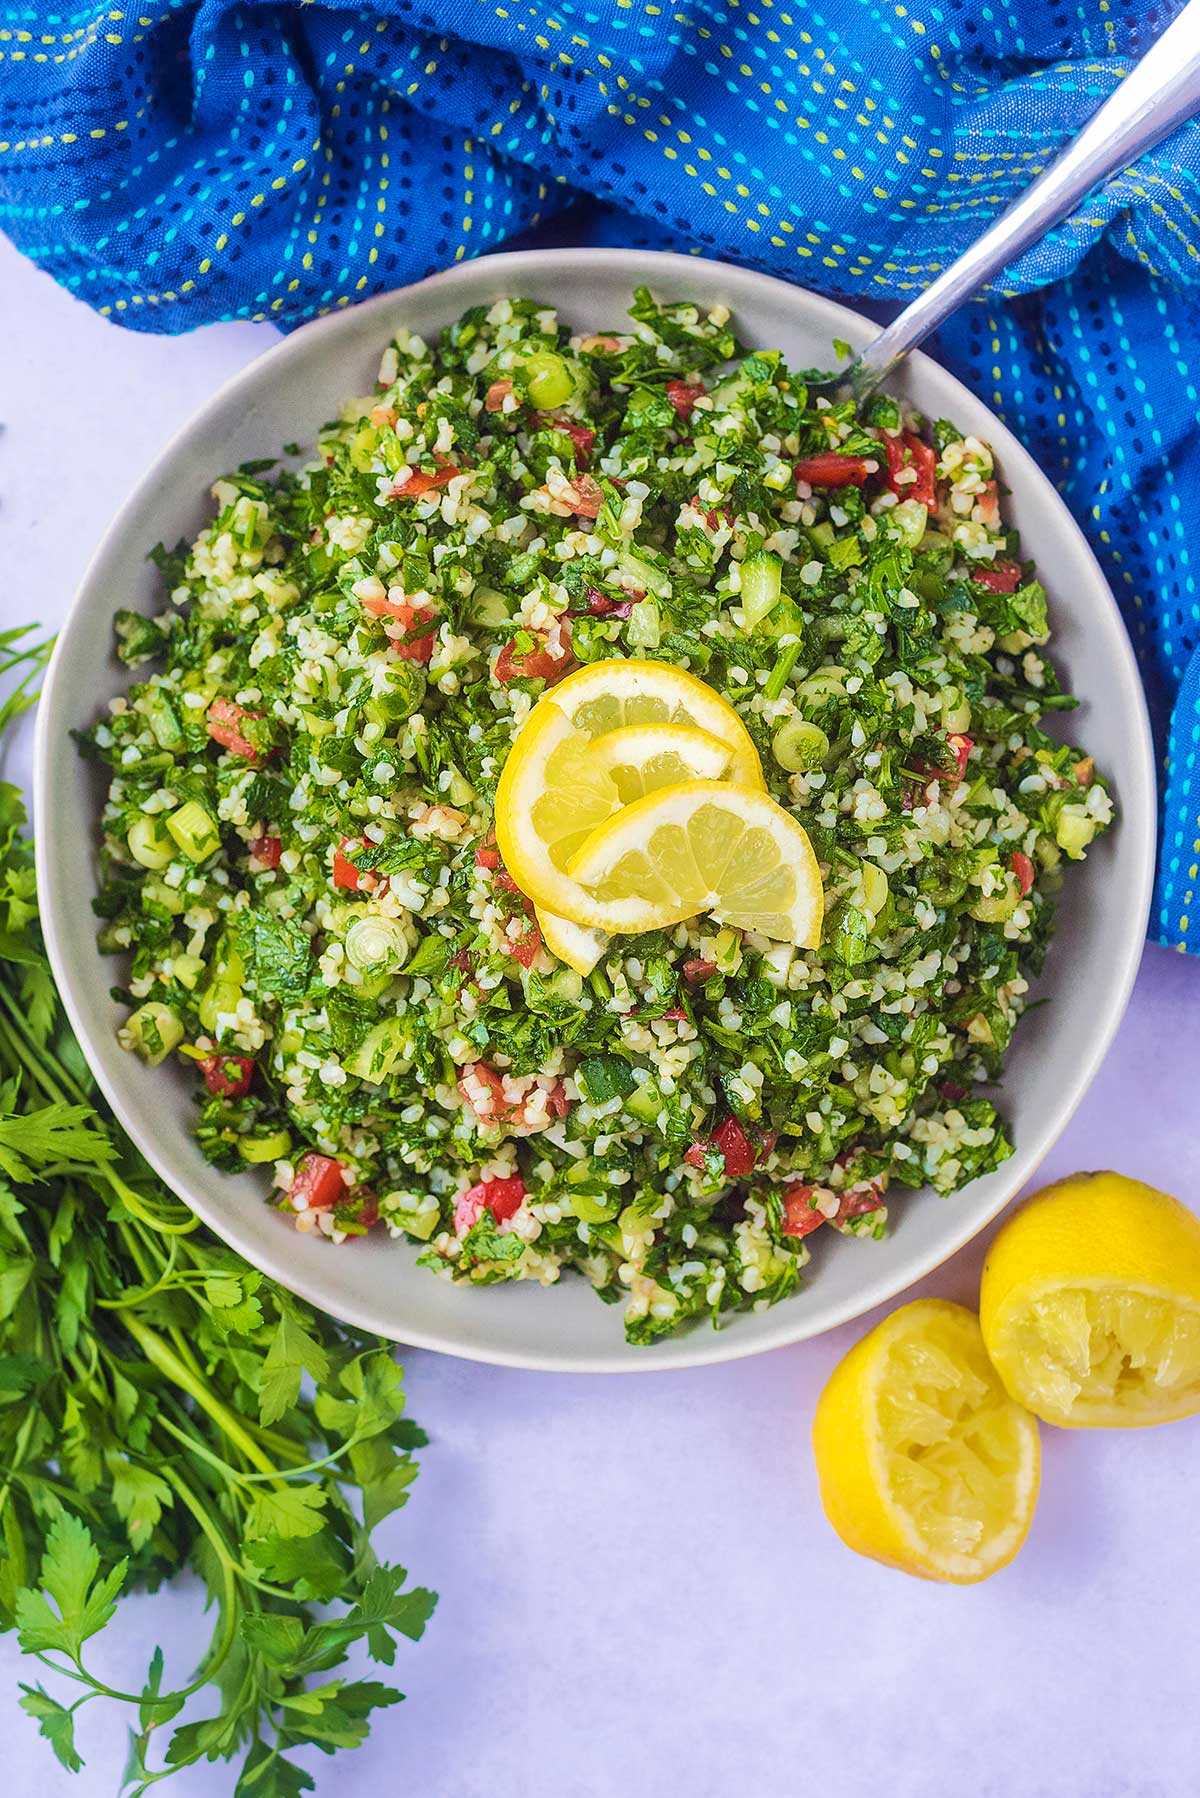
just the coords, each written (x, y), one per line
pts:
(640, 1594)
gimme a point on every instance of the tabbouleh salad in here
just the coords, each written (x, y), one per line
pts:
(299, 852)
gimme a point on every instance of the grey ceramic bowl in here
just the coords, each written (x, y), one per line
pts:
(284, 396)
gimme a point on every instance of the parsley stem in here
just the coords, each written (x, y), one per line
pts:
(160, 1354)
(142, 1212)
(31, 1058)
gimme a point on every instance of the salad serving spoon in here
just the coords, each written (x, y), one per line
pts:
(1160, 92)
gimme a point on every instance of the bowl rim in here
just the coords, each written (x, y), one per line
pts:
(790, 1323)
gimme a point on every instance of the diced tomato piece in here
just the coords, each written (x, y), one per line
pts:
(345, 874)
(496, 395)
(1022, 867)
(596, 344)
(558, 1100)
(487, 856)
(734, 1144)
(601, 605)
(503, 1198)
(587, 496)
(683, 396)
(989, 504)
(582, 442)
(831, 470)
(224, 718)
(228, 1076)
(505, 882)
(907, 453)
(482, 1088)
(419, 481)
(368, 1212)
(962, 747)
(1002, 576)
(318, 1185)
(414, 645)
(266, 851)
(800, 1217)
(540, 663)
(857, 1204)
(698, 971)
(735, 1147)
(527, 945)
(952, 1092)
(676, 1017)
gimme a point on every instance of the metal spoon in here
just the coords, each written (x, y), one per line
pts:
(1159, 93)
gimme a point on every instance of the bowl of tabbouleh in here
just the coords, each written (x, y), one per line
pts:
(575, 811)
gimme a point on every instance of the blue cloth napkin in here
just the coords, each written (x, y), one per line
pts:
(194, 161)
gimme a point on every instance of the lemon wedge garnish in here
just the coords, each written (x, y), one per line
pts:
(705, 846)
(924, 1461)
(563, 776)
(1090, 1304)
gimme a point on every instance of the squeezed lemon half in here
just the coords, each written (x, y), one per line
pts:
(1090, 1304)
(924, 1461)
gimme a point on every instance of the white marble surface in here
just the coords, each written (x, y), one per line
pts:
(639, 1591)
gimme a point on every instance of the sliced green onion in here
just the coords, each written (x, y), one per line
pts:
(376, 945)
(798, 745)
(149, 843)
(777, 679)
(548, 379)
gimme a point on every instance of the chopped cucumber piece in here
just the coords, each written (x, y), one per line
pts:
(380, 1052)
(645, 1103)
(415, 1212)
(644, 627)
(762, 583)
(589, 1208)
(194, 831)
(272, 1146)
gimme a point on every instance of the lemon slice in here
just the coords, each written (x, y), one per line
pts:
(924, 1461)
(553, 791)
(603, 696)
(574, 944)
(706, 846)
(641, 758)
(638, 759)
(1090, 1304)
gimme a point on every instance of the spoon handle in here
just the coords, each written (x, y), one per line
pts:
(1159, 93)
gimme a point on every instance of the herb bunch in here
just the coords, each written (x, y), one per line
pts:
(152, 1419)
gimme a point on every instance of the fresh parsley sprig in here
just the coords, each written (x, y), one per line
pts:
(154, 1418)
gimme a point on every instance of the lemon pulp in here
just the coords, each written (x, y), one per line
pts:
(948, 1439)
(1105, 1355)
